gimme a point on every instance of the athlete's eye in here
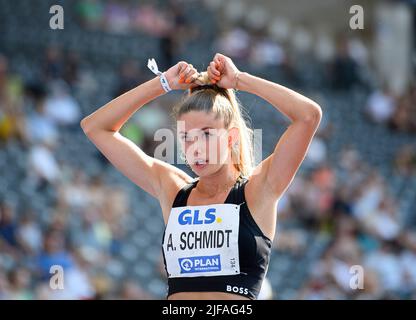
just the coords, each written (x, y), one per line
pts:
(185, 138)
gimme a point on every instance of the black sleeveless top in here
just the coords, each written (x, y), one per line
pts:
(254, 252)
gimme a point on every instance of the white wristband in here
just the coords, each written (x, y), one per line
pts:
(152, 65)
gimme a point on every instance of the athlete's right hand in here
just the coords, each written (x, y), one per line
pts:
(181, 76)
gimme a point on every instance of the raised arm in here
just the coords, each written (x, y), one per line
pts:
(102, 128)
(278, 170)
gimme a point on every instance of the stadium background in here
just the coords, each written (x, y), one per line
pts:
(353, 201)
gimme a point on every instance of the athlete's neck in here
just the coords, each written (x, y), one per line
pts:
(219, 182)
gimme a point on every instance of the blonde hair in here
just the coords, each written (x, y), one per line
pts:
(225, 105)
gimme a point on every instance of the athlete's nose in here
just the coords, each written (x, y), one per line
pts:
(197, 148)
(197, 151)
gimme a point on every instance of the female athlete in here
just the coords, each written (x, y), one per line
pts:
(219, 226)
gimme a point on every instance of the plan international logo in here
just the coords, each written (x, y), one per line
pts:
(200, 264)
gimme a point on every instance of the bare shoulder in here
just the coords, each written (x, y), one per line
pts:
(173, 179)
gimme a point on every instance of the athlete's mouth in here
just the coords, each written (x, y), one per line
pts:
(200, 163)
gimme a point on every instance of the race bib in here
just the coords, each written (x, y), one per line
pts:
(202, 241)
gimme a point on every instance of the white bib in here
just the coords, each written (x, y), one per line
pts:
(202, 241)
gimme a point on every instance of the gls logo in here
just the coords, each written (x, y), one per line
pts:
(236, 289)
(189, 217)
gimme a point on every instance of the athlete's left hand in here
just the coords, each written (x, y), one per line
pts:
(223, 72)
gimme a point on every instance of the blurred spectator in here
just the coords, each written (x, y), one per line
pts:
(11, 113)
(405, 160)
(386, 264)
(148, 121)
(90, 13)
(404, 117)
(370, 194)
(39, 127)
(266, 52)
(384, 220)
(318, 289)
(358, 51)
(4, 285)
(54, 252)
(381, 106)
(130, 77)
(103, 286)
(98, 191)
(344, 72)
(94, 235)
(43, 169)
(116, 205)
(235, 43)
(19, 280)
(312, 198)
(342, 204)
(148, 19)
(132, 131)
(116, 17)
(29, 233)
(130, 290)
(293, 241)
(61, 107)
(8, 225)
(73, 195)
(317, 153)
(408, 261)
(77, 281)
(176, 34)
(72, 66)
(53, 65)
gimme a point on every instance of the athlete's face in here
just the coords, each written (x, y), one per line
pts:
(205, 141)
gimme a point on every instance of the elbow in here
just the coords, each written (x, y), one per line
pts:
(314, 115)
(84, 126)
(89, 127)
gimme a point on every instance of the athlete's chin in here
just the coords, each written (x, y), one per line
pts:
(201, 172)
(205, 170)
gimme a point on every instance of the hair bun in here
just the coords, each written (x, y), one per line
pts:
(204, 82)
(203, 79)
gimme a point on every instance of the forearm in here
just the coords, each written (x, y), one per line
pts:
(292, 104)
(113, 115)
